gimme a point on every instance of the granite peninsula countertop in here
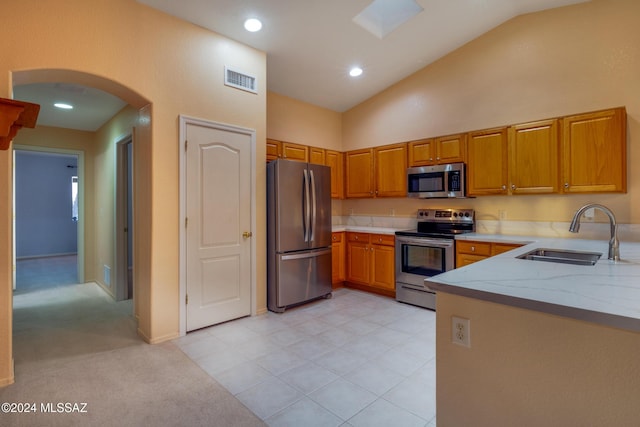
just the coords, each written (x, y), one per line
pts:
(606, 293)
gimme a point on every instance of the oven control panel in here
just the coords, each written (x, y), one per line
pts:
(446, 215)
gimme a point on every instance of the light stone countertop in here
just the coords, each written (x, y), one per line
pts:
(607, 293)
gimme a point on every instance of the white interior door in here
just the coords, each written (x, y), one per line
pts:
(218, 224)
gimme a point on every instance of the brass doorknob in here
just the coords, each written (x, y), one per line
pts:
(247, 234)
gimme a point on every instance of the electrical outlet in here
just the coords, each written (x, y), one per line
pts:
(460, 331)
(502, 215)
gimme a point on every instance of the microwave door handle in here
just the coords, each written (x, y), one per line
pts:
(305, 215)
(312, 185)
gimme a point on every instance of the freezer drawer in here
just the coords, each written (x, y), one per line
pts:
(299, 277)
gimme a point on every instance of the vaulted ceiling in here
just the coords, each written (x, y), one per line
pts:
(311, 45)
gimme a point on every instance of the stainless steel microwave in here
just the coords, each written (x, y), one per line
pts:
(439, 181)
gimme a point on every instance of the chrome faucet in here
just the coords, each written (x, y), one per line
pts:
(614, 243)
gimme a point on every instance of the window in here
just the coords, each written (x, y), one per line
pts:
(74, 198)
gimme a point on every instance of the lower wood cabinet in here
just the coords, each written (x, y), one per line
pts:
(470, 251)
(338, 259)
(370, 262)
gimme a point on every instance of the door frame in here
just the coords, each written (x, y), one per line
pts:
(184, 122)
(121, 218)
(81, 198)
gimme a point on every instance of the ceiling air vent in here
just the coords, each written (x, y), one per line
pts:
(240, 80)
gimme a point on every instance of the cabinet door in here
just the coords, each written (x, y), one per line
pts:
(422, 152)
(358, 259)
(335, 160)
(337, 258)
(487, 162)
(317, 155)
(451, 149)
(533, 157)
(594, 149)
(291, 151)
(383, 267)
(499, 248)
(466, 259)
(359, 180)
(274, 149)
(391, 170)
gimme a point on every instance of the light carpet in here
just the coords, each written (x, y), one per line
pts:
(74, 345)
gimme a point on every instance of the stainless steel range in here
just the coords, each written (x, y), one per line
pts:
(427, 251)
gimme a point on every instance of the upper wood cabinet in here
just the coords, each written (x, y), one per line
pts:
(441, 150)
(274, 149)
(487, 162)
(594, 152)
(291, 151)
(377, 172)
(359, 180)
(422, 152)
(317, 155)
(533, 157)
(390, 170)
(335, 160)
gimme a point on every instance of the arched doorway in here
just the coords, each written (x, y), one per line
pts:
(99, 227)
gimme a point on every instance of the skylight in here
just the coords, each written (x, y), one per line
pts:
(383, 16)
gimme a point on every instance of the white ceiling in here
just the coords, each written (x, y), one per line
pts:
(92, 107)
(310, 46)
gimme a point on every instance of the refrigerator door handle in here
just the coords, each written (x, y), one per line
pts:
(306, 208)
(309, 254)
(313, 202)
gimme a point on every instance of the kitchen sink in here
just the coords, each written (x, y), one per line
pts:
(562, 256)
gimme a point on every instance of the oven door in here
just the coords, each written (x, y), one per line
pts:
(420, 257)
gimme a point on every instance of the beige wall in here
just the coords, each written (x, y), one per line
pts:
(295, 121)
(568, 60)
(147, 56)
(119, 127)
(526, 368)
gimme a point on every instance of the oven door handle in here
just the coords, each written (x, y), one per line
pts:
(438, 243)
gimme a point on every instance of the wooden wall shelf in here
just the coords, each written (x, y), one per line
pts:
(14, 115)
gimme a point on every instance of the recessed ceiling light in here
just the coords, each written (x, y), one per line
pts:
(63, 106)
(355, 72)
(253, 25)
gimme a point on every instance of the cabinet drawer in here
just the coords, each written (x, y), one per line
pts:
(383, 239)
(358, 237)
(474, 248)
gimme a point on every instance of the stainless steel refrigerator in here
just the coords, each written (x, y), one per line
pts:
(298, 233)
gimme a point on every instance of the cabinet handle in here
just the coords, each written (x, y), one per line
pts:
(437, 158)
(356, 237)
(504, 187)
(566, 185)
(473, 248)
(513, 186)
